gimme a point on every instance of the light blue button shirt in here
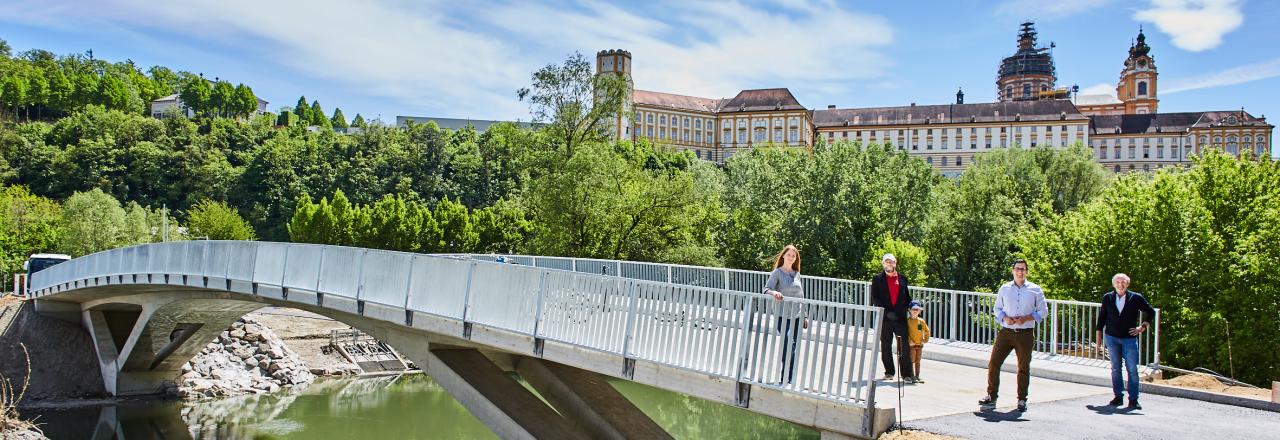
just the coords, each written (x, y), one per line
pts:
(1013, 300)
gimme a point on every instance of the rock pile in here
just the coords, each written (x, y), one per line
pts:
(246, 358)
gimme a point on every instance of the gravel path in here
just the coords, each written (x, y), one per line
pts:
(1089, 418)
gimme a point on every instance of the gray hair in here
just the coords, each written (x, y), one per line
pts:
(1119, 276)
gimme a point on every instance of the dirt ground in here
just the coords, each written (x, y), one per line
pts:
(1209, 383)
(307, 334)
(915, 435)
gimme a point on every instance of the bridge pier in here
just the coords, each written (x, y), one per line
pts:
(588, 400)
(142, 340)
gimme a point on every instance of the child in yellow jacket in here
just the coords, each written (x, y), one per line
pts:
(917, 336)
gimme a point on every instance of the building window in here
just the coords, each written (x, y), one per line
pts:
(959, 161)
(759, 135)
(742, 123)
(929, 160)
(915, 146)
(1026, 90)
(793, 135)
(697, 136)
(648, 117)
(944, 160)
(1204, 139)
(684, 136)
(777, 135)
(1142, 88)
(1008, 92)
(662, 119)
(686, 122)
(697, 123)
(662, 133)
(988, 144)
(1133, 152)
(973, 146)
(742, 136)
(727, 138)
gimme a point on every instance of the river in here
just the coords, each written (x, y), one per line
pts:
(410, 406)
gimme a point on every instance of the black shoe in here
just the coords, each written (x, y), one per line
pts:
(1022, 405)
(910, 380)
(987, 401)
(1117, 401)
(1133, 404)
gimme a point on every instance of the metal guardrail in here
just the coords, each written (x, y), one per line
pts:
(960, 318)
(692, 324)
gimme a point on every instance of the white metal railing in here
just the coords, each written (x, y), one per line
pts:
(959, 318)
(695, 324)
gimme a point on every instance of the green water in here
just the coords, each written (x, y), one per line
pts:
(406, 407)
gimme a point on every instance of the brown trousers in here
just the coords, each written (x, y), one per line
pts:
(1019, 342)
(915, 358)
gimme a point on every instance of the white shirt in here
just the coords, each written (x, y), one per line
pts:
(1014, 300)
(1120, 299)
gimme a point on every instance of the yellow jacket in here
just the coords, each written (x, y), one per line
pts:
(917, 331)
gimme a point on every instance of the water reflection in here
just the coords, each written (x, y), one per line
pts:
(387, 407)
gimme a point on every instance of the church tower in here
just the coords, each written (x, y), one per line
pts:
(1137, 87)
(1029, 74)
(618, 62)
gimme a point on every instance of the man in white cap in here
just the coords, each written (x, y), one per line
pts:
(889, 291)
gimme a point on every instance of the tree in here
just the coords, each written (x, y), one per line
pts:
(13, 91)
(358, 121)
(217, 221)
(576, 105)
(317, 115)
(1195, 242)
(29, 224)
(94, 221)
(222, 99)
(338, 121)
(457, 235)
(246, 103)
(196, 95)
(303, 110)
(113, 94)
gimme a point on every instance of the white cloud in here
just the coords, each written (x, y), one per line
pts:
(1232, 76)
(466, 60)
(1099, 89)
(1046, 10)
(715, 49)
(1194, 25)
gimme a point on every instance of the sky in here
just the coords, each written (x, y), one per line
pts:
(463, 59)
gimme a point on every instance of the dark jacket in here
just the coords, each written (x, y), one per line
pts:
(1117, 324)
(896, 313)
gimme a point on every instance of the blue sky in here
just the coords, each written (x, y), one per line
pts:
(466, 59)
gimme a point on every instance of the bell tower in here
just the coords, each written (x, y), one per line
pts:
(618, 62)
(1137, 87)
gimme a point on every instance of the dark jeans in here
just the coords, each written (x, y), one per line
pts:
(898, 328)
(790, 328)
(1020, 342)
(1126, 350)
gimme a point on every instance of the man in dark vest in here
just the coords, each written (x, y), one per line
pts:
(889, 291)
(1118, 327)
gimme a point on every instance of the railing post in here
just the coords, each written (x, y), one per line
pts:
(668, 274)
(633, 298)
(744, 335)
(1156, 355)
(868, 417)
(537, 308)
(466, 295)
(726, 278)
(953, 315)
(1053, 328)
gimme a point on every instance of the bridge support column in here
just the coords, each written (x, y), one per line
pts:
(494, 397)
(589, 401)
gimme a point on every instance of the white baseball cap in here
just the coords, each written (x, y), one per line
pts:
(887, 257)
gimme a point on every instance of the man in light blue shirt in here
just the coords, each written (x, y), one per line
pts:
(1019, 306)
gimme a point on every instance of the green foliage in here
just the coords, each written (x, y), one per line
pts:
(575, 105)
(197, 95)
(217, 221)
(29, 224)
(338, 121)
(603, 204)
(970, 230)
(1201, 244)
(94, 221)
(834, 204)
(911, 259)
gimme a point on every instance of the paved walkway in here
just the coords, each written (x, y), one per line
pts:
(1089, 418)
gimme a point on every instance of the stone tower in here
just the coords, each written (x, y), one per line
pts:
(1137, 87)
(618, 62)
